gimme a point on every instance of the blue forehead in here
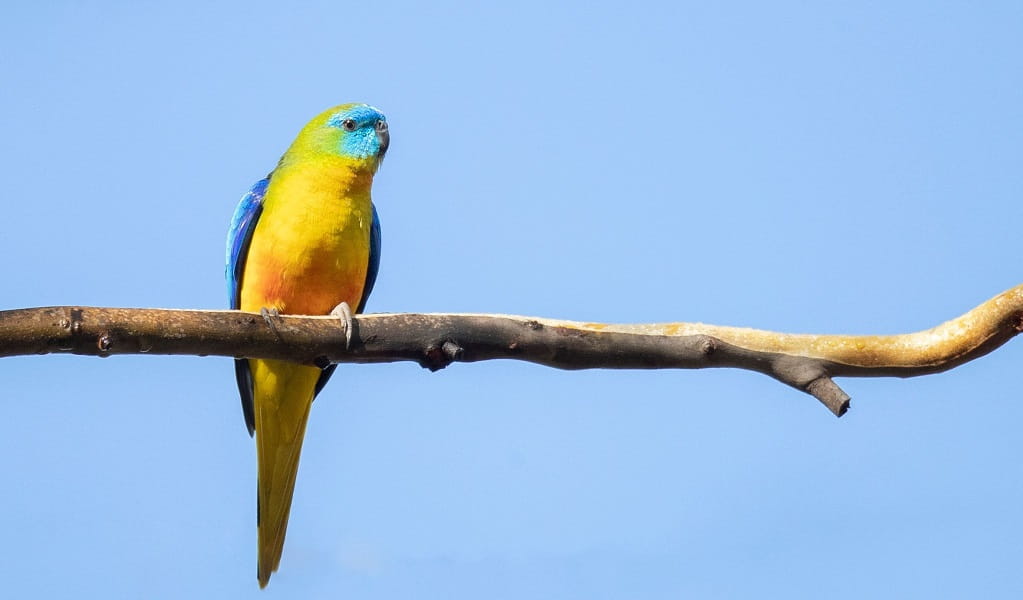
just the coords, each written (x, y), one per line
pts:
(360, 113)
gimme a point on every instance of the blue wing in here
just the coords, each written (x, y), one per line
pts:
(374, 260)
(243, 223)
(371, 279)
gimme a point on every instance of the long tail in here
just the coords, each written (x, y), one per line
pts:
(283, 393)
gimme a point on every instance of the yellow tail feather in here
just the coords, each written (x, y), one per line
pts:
(282, 395)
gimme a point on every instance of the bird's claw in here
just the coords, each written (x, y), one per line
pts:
(344, 312)
(270, 315)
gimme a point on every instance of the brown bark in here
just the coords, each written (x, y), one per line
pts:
(806, 362)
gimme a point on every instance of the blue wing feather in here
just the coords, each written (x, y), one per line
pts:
(371, 279)
(374, 260)
(243, 223)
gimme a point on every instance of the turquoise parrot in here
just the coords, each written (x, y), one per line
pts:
(303, 240)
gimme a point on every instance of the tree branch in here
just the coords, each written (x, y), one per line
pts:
(805, 362)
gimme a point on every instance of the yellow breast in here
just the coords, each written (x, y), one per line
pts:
(310, 249)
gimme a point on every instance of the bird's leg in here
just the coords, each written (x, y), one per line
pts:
(269, 315)
(344, 312)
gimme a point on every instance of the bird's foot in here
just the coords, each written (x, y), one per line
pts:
(344, 312)
(270, 315)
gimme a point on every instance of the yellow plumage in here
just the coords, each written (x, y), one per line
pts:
(283, 396)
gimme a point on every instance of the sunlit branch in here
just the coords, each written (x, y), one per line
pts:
(806, 362)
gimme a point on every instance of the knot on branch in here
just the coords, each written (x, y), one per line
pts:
(707, 345)
(436, 357)
(74, 324)
(104, 343)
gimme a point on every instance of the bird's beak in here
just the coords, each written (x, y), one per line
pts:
(384, 137)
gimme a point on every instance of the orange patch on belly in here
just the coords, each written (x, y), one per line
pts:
(312, 282)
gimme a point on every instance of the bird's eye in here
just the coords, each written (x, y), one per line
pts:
(381, 125)
(348, 124)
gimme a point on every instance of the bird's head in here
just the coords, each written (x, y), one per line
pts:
(357, 132)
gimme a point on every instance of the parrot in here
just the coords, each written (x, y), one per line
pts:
(304, 240)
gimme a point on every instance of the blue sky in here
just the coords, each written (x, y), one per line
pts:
(811, 167)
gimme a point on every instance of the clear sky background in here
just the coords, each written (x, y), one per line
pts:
(810, 167)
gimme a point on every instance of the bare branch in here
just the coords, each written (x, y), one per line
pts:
(805, 362)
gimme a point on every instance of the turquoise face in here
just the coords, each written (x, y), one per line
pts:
(363, 131)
